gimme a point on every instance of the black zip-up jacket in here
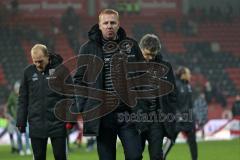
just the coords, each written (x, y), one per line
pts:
(37, 102)
(95, 47)
(236, 108)
(166, 104)
(184, 96)
(186, 121)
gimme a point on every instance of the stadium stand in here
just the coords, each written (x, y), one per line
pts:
(2, 76)
(209, 48)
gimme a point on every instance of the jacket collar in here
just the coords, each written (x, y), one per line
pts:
(55, 60)
(158, 57)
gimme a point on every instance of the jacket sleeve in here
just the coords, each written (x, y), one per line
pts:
(172, 97)
(78, 80)
(73, 108)
(78, 77)
(22, 110)
(138, 51)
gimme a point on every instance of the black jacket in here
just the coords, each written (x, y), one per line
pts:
(185, 121)
(184, 97)
(95, 47)
(37, 101)
(165, 104)
(236, 108)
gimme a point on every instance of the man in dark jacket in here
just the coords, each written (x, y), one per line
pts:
(236, 107)
(185, 120)
(37, 102)
(107, 39)
(156, 129)
(200, 110)
(236, 116)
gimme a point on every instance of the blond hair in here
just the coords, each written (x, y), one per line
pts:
(182, 71)
(108, 11)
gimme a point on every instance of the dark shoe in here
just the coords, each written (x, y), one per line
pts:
(14, 150)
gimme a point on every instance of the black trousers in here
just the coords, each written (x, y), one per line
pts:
(39, 146)
(106, 140)
(191, 140)
(154, 135)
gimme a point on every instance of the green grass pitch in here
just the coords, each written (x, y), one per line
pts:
(211, 150)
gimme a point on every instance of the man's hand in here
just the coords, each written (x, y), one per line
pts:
(69, 126)
(22, 129)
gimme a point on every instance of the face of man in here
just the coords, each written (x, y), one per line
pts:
(148, 55)
(109, 25)
(187, 75)
(40, 60)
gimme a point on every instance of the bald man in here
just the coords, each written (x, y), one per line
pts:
(37, 102)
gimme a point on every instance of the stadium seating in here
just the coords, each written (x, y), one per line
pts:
(2, 77)
(12, 60)
(212, 53)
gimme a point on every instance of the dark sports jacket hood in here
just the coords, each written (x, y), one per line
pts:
(55, 59)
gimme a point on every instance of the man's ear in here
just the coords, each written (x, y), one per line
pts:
(49, 59)
(99, 26)
(118, 25)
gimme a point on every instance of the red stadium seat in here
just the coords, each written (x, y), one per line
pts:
(3, 81)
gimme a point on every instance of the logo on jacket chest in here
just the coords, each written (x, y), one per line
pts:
(187, 89)
(51, 72)
(34, 77)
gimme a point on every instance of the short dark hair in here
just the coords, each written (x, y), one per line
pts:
(150, 42)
